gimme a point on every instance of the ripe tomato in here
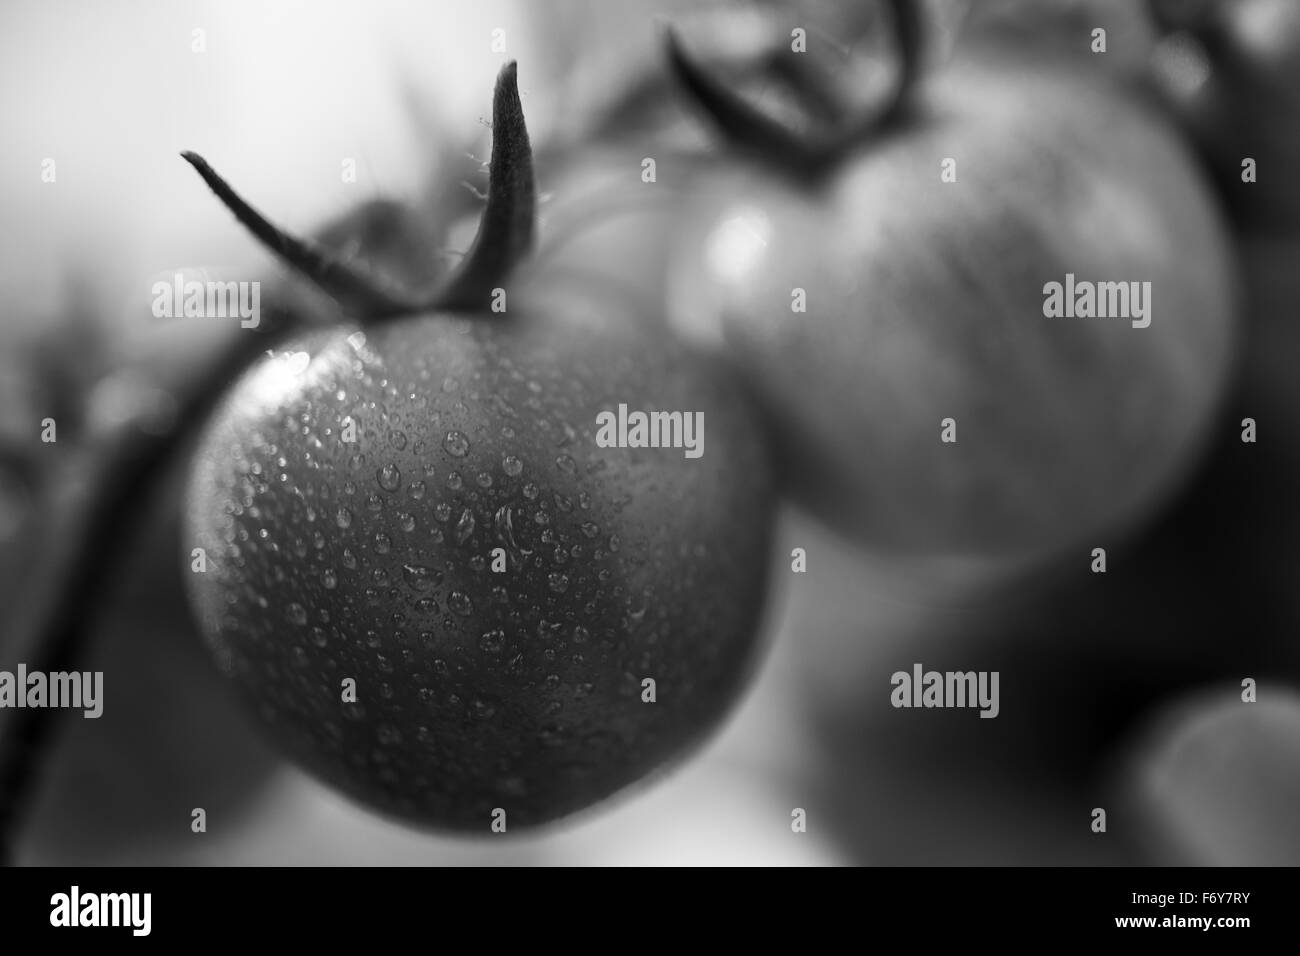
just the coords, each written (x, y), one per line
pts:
(480, 685)
(925, 306)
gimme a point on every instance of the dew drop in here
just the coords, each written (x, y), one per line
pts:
(460, 603)
(329, 579)
(559, 583)
(421, 577)
(406, 522)
(465, 526)
(590, 529)
(492, 641)
(453, 481)
(383, 543)
(456, 444)
(390, 478)
(442, 511)
(566, 464)
(397, 439)
(296, 614)
(349, 559)
(344, 518)
(512, 466)
(415, 490)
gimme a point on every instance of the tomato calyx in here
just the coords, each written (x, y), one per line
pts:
(749, 130)
(505, 237)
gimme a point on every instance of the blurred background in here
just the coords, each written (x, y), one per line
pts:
(1120, 691)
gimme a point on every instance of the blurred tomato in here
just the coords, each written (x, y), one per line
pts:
(873, 304)
(1082, 659)
(1215, 780)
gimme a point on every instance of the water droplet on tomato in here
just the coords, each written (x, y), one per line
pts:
(465, 526)
(390, 478)
(456, 444)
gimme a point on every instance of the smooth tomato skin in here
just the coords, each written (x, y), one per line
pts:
(479, 690)
(925, 302)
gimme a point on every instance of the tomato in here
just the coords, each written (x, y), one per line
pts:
(926, 314)
(1214, 781)
(475, 690)
(448, 584)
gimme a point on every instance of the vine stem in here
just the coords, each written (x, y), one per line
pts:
(748, 129)
(74, 580)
